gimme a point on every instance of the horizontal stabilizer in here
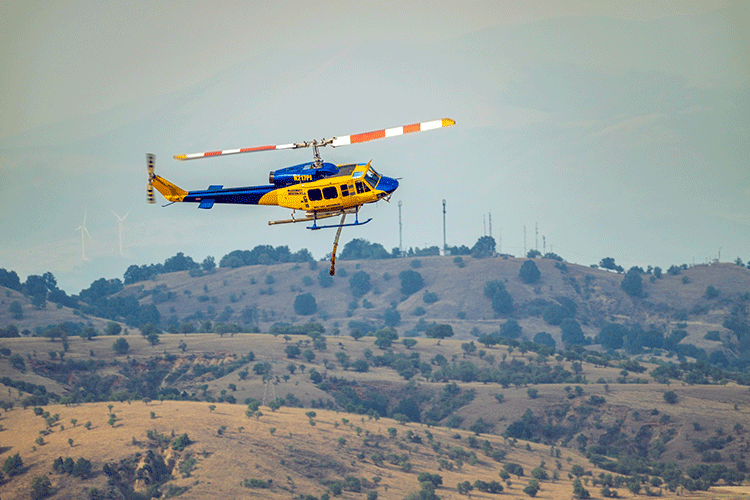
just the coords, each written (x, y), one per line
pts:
(206, 203)
(214, 188)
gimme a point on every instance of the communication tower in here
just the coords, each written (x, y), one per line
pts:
(400, 241)
(445, 244)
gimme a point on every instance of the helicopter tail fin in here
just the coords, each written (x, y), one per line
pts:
(170, 191)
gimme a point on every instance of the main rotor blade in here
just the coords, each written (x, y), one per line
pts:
(334, 142)
(391, 132)
(235, 151)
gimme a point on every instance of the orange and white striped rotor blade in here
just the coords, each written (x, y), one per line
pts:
(391, 132)
(226, 152)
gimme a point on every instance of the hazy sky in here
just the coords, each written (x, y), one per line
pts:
(619, 129)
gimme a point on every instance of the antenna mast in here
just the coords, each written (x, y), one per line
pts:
(445, 244)
(400, 242)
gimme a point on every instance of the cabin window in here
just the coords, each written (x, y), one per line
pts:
(314, 195)
(344, 190)
(330, 192)
(361, 187)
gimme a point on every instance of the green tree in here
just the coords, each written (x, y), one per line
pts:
(41, 487)
(16, 310)
(113, 328)
(209, 264)
(545, 338)
(529, 273)
(315, 376)
(532, 488)
(670, 397)
(153, 338)
(439, 331)
(304, 304)
(579, 491)
(360, 284)
(484, 247)
(120, 346)
(411, 281)
(632, 282)
(572, 332)
(609, 263)
(82, 468)
(13, 465)
(464, 487)
(385, 337)
(502, 302)
(511, 329)
(292, 351)
(392, 317)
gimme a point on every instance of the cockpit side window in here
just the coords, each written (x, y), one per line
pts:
(372, 177)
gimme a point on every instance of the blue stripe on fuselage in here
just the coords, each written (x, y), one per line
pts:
(244, 195)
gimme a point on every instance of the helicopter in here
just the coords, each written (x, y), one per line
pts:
(321, 189)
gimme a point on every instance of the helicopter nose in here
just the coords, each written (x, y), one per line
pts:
(388, 184)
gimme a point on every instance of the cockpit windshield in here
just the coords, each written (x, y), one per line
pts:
(372, 177)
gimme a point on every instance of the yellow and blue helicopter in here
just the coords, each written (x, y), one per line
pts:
(318, 188)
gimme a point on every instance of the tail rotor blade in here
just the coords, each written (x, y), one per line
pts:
(150, 158)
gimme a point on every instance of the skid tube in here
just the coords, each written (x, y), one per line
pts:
(341, 224)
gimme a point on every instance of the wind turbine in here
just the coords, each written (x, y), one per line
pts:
(84, 232)
(119, 226)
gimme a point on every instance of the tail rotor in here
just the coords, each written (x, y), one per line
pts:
(150, 168)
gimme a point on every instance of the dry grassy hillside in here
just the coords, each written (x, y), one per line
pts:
(291, 452)
(298, 463)
(33, 317)
(669, 302)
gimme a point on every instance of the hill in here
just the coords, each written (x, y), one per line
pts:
(542, 423)
(646, 391)
(264, 295)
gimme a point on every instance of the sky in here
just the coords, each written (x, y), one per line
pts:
(595, 129)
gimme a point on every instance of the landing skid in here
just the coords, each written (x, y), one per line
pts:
(315, 227)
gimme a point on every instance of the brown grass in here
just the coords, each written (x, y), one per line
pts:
(315, 454)
(297, 456)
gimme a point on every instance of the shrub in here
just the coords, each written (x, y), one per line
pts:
(304, 304)
(529, 273)
(532, 488)
(120, 346)
(411, 281)
(41, 487)
(670, 397)
(181, 442)
(632, 283)
(439, 331)
(502, 302)
(13, 465)
(360, 284)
